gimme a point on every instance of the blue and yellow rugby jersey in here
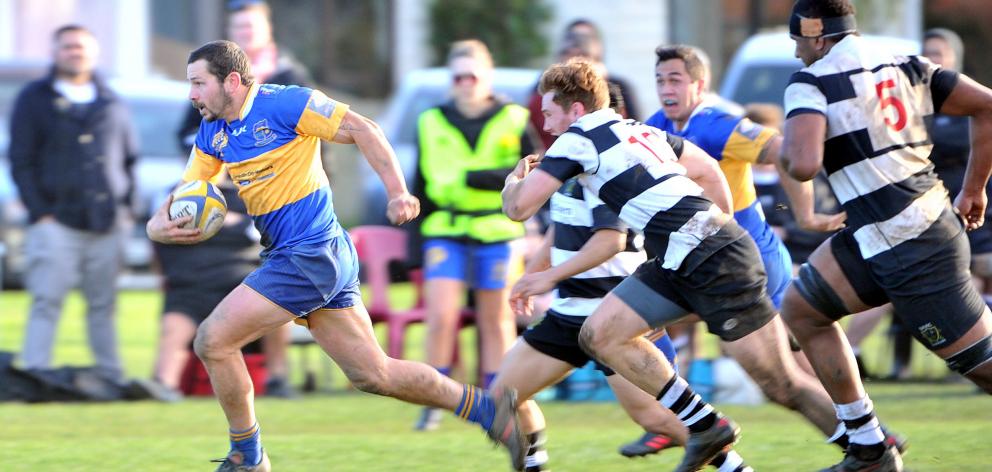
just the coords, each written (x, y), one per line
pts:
(736, 142)
(272, 153)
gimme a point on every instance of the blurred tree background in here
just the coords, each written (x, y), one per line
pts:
(513, 29)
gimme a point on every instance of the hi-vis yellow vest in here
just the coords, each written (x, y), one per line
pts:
(445, 160)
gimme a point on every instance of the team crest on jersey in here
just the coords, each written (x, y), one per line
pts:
(932, 334)
(263, 134)
(219, 142)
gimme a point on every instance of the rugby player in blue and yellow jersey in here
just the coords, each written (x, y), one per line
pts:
(737, 143)
(268, 138)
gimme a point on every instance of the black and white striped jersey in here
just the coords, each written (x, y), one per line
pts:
(877, 149)
(633, 168)
(577, 214)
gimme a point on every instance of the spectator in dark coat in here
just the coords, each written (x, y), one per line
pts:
(72, 147)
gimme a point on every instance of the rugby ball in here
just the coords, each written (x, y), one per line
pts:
(204, 202)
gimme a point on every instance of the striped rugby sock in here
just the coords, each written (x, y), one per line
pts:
(249, 443)
(476, 406)
(694, 413)
(863, 428)
(730, 461)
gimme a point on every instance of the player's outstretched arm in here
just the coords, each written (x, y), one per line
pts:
(969, 98)
(368, 136)
(705, 171)
(163, 230)
(603, 245)
(802, 150)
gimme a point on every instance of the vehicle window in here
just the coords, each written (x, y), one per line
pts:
(424, 99)
(157, 123)
(763, 83)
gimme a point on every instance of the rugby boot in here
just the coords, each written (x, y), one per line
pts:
(893, 439)
(889, 461)
(702, 447)
(649, 443)
(505, 429)
(234, 462)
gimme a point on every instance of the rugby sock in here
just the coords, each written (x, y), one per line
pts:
(537, 455)
(840, 436)
(476, 406)
(694, 413)
(487, 379)
(730, 461)
(863, 429)
(249, 443)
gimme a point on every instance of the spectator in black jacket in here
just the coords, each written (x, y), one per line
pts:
(72, 147)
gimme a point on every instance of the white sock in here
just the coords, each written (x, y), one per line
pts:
(870, 431)
(732, 462)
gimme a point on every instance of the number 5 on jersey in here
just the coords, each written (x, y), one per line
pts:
(886, 100)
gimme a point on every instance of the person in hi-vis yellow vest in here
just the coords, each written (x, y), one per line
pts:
(467, 147)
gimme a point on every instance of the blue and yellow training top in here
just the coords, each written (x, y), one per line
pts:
(736, 142)
(272, 153)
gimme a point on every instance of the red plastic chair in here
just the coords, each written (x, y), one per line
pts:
(377, 246)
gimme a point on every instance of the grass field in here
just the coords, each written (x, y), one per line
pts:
(347, 431)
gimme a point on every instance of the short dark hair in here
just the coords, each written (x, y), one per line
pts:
(823, 8)
(70, 28)
(583, 22)
(686, 54)
(224, 57)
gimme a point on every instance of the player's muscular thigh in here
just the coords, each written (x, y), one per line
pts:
(826, 264)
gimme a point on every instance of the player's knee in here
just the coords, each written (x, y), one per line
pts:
(206, 345)
(590, 340)
(779, 389)
(971, 360)
(201, 344)
(369, 380)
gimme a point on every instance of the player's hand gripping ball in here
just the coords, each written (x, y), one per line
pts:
(204, 202)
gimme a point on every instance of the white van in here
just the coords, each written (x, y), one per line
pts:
(761, 67)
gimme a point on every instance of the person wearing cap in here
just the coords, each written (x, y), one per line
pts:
(467, 146)
(859, 112)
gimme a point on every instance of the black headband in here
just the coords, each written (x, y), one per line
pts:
(821, 27)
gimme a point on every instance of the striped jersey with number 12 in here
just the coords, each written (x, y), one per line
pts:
(633, 168)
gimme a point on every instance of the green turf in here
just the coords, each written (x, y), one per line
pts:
(347, 431)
